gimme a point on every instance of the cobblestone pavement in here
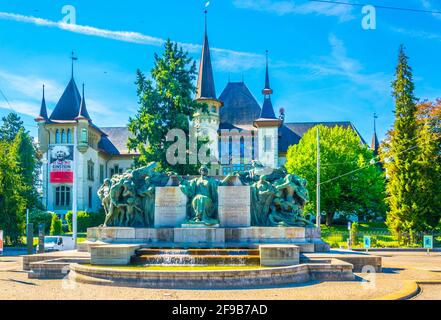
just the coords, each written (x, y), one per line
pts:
(398, 267)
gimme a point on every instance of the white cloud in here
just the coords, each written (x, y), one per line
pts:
(30, 86)
(226, 60)
(343, 12)
(126, 36)
(28, 108)
(418, 34)
(235, 61)
(428, 6)
(24, 93)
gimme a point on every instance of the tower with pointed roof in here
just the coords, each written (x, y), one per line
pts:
(207, 123)
(41, 120)
(267, 125)
(375, 144)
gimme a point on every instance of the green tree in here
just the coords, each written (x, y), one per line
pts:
(166, 101)
(429, 165)
(12, 188)
(27, 162)
(11, 126)
(56, 226)
(350, 184)
(399, 153)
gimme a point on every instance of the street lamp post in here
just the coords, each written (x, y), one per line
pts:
(74, 191)
(318, 182)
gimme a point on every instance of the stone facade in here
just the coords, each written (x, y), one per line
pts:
(170, 207)
(234, 206)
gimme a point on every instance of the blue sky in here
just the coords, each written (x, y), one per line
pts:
(323, 65)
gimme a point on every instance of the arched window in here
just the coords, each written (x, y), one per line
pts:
(57, 136)
(84, 136)
(62, 136)
(213, 109)
(68, 136)
(62, 196)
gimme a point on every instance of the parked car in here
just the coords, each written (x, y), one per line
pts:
(58, 243)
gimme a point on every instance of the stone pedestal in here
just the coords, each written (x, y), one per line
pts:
(170, 207)
(200, 236)
(234, 206)
(114, 254)
(279, 255)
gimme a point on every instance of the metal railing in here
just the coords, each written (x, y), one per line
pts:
(379, 239)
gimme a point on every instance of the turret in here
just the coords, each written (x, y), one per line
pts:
(268, 127)
(207, 124)
(83, 119)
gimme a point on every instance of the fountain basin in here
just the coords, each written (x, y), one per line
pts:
(332, 270)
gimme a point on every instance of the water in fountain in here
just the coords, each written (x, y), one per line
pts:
(196, 257)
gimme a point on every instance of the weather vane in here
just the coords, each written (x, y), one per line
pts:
(73, 58)
(375, 123)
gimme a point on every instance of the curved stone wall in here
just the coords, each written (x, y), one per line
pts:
(334, 270)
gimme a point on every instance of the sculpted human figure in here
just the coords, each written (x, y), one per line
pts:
(133, 219)
(292, 196)
(202, 193)
(113, 218)
(262, 196)
(147, 194)
(128, 192)
(104, 196)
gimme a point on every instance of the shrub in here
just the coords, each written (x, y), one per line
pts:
(56, 226)
(37, 217)
(65, 228)
(85, 220)
(354, 233)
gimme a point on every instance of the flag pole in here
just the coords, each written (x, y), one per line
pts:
(318, 181)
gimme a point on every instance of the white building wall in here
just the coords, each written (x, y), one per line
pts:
(269, 157)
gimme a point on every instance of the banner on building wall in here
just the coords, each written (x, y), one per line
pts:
(61, 163)
(1, 242)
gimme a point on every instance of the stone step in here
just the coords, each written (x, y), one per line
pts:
(185, 259)
(212, 252)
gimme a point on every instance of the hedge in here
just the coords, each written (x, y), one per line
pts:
(56, 226)
(85, 220)
(37, 217)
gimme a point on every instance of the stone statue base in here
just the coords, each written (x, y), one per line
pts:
(198, 225)
(308, 239)
(199, 236)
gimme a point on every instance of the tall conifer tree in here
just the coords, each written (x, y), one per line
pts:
(400, 153)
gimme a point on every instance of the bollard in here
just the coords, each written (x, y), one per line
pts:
(41, 238)
(30, 238)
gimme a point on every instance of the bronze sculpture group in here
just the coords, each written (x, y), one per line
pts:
(277, 197)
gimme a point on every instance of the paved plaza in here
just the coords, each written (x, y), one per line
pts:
(401, 271)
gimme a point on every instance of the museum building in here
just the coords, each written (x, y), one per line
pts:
(101, 152)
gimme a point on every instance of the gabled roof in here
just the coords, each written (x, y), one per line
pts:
(240, 106)
(68, 106)
(114, 141)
